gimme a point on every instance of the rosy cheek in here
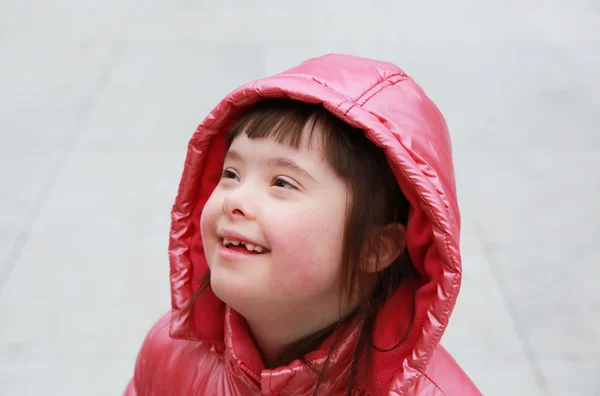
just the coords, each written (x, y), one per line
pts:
(306, 254)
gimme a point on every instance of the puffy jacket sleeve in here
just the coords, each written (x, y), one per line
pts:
(167, 366)
(130, 391)
(153, 351)
(442, 377)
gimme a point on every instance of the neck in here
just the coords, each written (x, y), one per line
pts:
(301, 330)
(275, 334)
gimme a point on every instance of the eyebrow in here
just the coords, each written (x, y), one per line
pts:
(273, 162)
(234, 156)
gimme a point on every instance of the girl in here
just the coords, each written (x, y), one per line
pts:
(314, 243)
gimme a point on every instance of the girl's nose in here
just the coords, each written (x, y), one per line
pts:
(236, 205)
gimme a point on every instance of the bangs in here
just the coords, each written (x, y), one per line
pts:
(290, 123)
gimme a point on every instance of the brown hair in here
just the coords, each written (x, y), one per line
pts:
(374, 200)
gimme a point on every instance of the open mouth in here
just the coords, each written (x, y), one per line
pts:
(243, 247)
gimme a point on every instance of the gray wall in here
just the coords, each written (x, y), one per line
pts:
(98, 99)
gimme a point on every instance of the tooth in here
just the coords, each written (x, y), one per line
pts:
(226, 241)
(235, 243)
(259, 249)
(250, 246)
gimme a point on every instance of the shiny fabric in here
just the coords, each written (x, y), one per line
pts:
(208, 350)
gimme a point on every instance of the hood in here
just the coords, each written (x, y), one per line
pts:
(397, 116)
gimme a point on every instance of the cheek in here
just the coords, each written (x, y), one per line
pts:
(308, 248)
(208, 218)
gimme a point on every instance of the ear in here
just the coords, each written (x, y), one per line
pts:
(391, 244)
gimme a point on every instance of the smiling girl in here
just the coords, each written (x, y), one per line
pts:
(314, 243)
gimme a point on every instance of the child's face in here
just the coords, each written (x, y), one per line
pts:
(294, 214)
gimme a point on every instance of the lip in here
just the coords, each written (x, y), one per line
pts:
(236, 255)
(232, 235)
(232, 255)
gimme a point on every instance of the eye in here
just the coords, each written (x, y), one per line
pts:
(280, 182)
(228, 174)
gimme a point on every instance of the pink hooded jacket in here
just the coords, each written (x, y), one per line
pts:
(208, 350)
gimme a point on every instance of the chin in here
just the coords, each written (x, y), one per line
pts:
(232, 290)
